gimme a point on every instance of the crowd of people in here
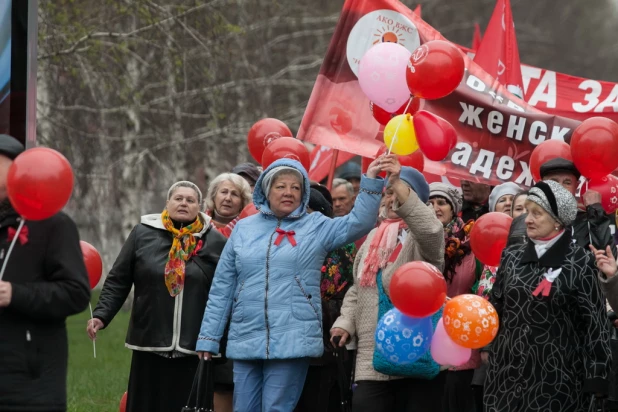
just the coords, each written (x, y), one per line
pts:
(280, 284)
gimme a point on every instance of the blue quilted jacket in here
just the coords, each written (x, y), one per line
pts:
(273, 292)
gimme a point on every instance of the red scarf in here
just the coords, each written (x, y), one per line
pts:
(382, 246)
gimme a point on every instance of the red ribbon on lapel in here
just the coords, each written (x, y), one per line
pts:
(282, 234)
(544, 288)
(23, 235)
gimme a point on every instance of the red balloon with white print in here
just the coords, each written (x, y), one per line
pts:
(608, 188)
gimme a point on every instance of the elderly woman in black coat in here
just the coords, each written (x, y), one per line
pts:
(170, 258)
(552, 351)
(45, 282)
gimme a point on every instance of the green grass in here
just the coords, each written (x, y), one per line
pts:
(96, 385)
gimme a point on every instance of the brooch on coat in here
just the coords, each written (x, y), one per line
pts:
(544, 288)
(22, 237)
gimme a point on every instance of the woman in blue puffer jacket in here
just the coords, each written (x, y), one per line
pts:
(268, 279)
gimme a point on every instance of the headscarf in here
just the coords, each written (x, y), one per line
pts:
(183, 247)
(556, 200)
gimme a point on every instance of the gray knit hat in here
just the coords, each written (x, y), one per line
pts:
(449, 192)
(508, 188)
(556, 200)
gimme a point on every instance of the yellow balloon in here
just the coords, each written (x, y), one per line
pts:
(405, 141)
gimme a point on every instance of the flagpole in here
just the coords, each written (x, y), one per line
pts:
(333, 166)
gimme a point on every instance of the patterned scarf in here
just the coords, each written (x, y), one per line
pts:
(456, 245)
(183, 247)
(381, 248)
(224, 228)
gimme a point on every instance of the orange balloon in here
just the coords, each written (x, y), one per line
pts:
(471, 321)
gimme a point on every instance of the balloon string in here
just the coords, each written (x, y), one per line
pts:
(405, 111)
(8, 254)
(94, 345)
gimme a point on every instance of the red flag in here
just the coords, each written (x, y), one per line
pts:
(476, 40)
(417, 10)
(498, 53)
(321, 160)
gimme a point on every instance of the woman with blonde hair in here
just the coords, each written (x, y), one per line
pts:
(227, 196)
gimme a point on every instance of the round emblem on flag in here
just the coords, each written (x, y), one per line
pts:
(380, 26)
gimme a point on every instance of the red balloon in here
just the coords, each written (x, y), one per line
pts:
(435, 136)
(594, 146)
(412, 109)
(262, 133)
(435, 70)
(39, 183)
(546, 151)
(415, 160)
(94, 264)
(123, 403)
(381, 115)
(249, 210)
(489, 236)
(418, 289)
(286, 147)
(608, 188)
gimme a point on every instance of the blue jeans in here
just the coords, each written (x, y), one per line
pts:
(268, 385)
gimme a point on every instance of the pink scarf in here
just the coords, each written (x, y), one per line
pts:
(382, 247)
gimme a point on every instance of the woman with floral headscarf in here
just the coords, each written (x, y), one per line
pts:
(460, 267)
(170, 258)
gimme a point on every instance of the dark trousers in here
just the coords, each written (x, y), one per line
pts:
(458, 393)
(158, 384)
(400, 395)
(321, 392)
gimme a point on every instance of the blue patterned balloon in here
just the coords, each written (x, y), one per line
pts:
(402, 340)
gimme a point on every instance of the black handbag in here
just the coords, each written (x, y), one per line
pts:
(201, 398)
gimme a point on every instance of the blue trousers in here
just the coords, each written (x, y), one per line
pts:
(268, 385)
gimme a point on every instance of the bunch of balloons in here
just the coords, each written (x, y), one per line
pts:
(396, 80)
(270, 139)
(594, 151)
(404, 334)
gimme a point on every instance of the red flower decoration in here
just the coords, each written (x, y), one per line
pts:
(197, 247)
(23, 235)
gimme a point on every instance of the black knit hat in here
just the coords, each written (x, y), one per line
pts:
(559, 164)
(318, 203)
(10, 146)
(324, 190)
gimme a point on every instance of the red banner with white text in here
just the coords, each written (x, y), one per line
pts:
(497, 131)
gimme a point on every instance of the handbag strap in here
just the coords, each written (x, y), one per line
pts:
(206, 371)
(192, 402)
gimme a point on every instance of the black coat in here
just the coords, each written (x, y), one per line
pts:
(160, 322)
(551, 353)
(49, 283)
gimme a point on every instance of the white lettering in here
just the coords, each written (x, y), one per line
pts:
(515, 106)
(461, 155)
(528, 73)
(545, 91)
(559, 133)
(483, 163)
(516, 127)
(494, 122)
(526, 176)
(475, 83)
(534, 136)
(496, 97)
(471, 115)
(610, 102)
(506, 165)
(592, 98)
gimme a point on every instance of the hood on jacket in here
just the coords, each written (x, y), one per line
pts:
(261, 202)
(154, 220)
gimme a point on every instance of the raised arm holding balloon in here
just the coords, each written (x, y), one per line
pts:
(409, 232)
(43, 276)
